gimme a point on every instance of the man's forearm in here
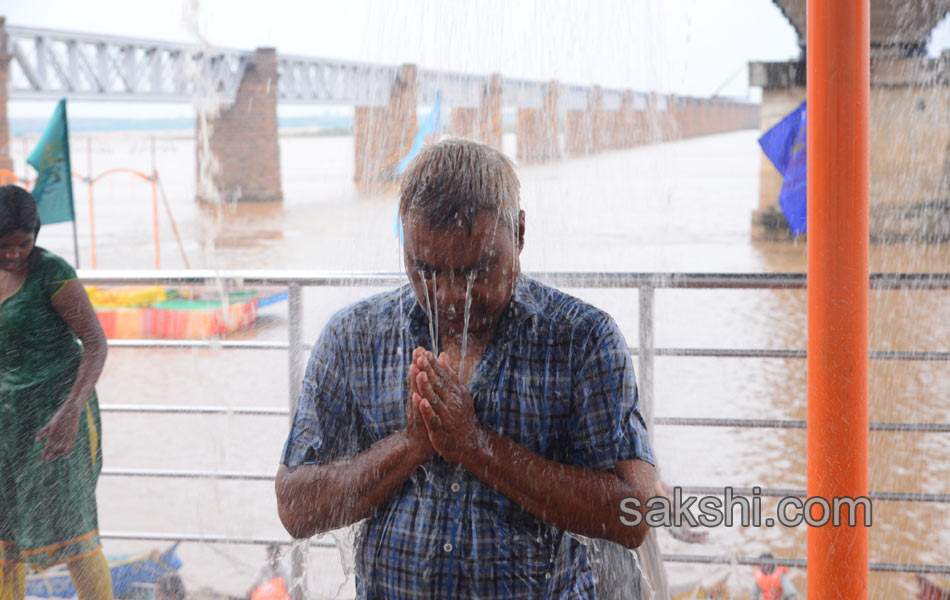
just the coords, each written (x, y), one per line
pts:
(579, 500)
(316, 498)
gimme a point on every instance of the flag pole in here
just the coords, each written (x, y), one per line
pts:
(75, 244)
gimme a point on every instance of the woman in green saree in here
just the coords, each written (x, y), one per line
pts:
(50, 454)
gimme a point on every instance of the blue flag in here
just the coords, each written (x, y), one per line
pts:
(54, 183)
(784, 144)
(428, 131)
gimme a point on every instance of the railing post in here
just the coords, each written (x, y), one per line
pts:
(645, 371)
(294, 345)
(298, 586)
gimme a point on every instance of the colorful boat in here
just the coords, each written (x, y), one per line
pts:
(155, 312)
(131, 574)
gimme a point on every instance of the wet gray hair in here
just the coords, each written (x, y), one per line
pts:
(455, 180)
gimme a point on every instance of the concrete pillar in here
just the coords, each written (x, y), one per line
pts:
(464, 122)
(705, 117)
(599, 120)
(243, 138)
(674, 113)
(577, 132)
(489, 113)
(626, 121)
(383, 135)
(660, 125)
(5, 161)
(688, 118)
(588, 131)
(538, 129)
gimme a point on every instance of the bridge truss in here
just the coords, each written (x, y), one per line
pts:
(51, 64)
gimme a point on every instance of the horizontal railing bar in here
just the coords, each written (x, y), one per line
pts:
(207, 539)
(671, 421)
(794, 424)
(801, 563)
(694, 490)
(238, 344)
(217, 343)
(800, 493)
(755, 353)
(679, 558)
(920, 281)
(726, 352)
(192, 410)
(173, 474)
(690, 352)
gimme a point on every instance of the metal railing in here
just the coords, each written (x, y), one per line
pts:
(645, 283)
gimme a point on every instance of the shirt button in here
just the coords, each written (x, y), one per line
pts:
(455, 487)
(447, 547)
(547, 576)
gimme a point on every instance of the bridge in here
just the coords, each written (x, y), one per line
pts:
(240, 90)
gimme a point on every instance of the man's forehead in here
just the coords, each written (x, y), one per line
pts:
(452, 245)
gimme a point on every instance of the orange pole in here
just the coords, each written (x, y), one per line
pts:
(92, 226)
(155, 217)
(838, 81)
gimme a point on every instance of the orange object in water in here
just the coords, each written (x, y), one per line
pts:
(838, 48)
(275, 589)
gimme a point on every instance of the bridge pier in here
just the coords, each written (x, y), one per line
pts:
(243, 138)
(626, 122)
(489, 113)
(465, 122)
(5, 161)
(584, 129)
(383, 134)
(484, 122)
(538, 130)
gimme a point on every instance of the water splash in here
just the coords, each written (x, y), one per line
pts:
(433, 324)
(470, 279)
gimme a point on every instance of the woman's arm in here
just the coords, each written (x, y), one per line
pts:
(72, 304)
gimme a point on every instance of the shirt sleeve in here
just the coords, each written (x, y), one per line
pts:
(56, 273)
(607, 427)
(327, 425)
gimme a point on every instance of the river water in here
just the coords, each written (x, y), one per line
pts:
(683, 206)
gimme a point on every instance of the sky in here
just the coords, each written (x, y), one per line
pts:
(687, 47)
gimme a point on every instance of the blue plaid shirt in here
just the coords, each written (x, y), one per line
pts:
(556, 378)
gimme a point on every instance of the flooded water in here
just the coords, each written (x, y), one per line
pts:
(676, 207)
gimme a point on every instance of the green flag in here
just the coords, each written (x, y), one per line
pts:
(54, 183)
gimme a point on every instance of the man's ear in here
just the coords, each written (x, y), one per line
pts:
(520, 231)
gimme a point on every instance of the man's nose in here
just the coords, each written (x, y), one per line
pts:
(450, 291)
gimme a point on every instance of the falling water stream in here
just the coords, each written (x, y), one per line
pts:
(307, 231)
(676, 207)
